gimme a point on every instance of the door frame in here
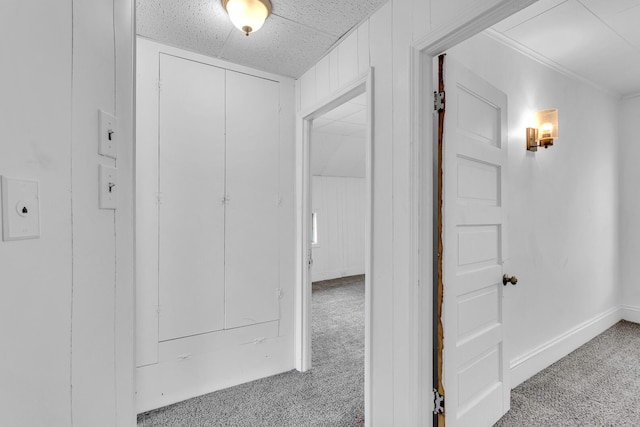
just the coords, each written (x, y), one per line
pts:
(363, 84)
(424, 179)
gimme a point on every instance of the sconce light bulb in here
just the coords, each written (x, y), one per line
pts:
(546, 130)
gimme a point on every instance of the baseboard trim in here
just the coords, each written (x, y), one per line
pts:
(534, 361)
(630, 313)
(328, 275)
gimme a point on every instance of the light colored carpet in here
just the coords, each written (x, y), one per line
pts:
(597, 385)
(330, 395)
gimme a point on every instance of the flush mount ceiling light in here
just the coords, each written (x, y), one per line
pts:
(247, 15)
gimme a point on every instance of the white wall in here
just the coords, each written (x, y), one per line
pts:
(35, 275)
(337, 155)
(339, 206)
(630, 207)
(65, 360)
(562, 204)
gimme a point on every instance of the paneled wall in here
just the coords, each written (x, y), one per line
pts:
(102, 239)
(349, 60)
(66, 308)
(214, 197)
(338, 203)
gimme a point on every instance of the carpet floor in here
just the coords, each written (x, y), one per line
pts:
(597, 385)
(331, 394)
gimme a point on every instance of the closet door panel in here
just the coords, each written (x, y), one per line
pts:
(191, 185)
(252, 272)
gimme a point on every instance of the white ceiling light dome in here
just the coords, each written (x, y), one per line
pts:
(247, 15)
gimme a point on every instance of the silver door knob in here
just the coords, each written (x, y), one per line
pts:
(506, 279)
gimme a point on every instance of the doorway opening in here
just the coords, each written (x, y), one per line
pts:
(333, 302)
(337, 168)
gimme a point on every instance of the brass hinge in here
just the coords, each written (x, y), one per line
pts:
(438, 101)
(438, 402)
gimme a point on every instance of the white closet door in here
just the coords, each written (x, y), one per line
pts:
(191, 209)
(252, 273)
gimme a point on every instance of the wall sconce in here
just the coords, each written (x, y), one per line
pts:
(247, 15)
(546, 130)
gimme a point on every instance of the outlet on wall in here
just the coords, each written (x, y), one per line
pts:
(20, 209)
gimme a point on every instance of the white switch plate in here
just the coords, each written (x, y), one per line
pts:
(20, 209)
(108, 187)
(108, 145)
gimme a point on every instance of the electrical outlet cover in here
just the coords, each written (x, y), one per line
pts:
(20, 209)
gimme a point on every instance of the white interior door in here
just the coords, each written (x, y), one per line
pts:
(191, 209)
(474, 234)
(252, 237)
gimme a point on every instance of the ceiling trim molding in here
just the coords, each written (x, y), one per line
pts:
(501, 38)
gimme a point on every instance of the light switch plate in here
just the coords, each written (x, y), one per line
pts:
(108, 145)
(20, 209)
(108, 187)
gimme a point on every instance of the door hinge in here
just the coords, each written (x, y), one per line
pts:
(310, 258)
(438, 101)
(438, 402)
(279, 293)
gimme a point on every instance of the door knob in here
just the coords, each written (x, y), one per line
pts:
(506, 279)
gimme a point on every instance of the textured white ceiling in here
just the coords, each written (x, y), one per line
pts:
(294, 37)
(338, 140)
(598, 40)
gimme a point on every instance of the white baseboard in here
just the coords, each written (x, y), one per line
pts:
(630, 313)
(534, 361)
(328, 275)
